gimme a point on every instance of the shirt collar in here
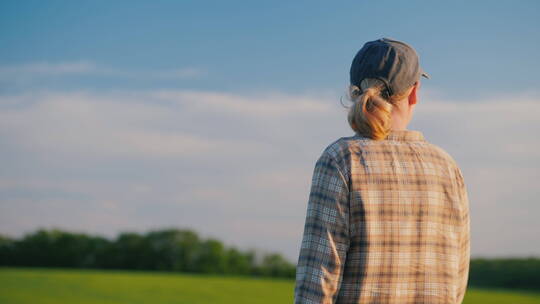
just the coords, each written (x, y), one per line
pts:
(405, 135)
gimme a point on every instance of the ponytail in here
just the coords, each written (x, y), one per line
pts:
(370, 114)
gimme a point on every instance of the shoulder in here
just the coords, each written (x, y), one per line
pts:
(335, 158)
(338, 152)
(339, 149)
(443, 154)
(449, 160)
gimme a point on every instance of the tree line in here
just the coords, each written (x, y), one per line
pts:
(183, 250)
(519, 273)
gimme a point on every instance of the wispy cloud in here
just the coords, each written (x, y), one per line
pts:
(272, 105)
(36, 70)
(146, 124)
(46, 69)
(237, 166)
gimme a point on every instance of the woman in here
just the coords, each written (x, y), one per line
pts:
(388, 215)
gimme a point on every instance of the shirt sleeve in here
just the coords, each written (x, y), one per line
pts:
(464, 240)
(325, 240)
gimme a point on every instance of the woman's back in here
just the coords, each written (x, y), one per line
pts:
(389, 219)
(388, 214)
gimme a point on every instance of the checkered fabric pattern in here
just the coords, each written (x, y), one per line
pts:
(387, 222)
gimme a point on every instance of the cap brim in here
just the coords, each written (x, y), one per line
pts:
(423, 73)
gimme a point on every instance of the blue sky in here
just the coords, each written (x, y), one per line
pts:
(129, 115)
(295, 46)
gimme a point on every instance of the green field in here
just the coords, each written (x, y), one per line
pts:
(40, 285)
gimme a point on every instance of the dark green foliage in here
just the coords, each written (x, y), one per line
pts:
(6, 250)
(275, 265)
(52, 248)
(166, 250)
(240, 262)
(522, 273)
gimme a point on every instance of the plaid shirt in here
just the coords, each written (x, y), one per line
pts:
(387, 222)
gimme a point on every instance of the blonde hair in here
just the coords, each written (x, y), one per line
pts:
(370, 113)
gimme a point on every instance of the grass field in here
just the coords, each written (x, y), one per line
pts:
(39, 285)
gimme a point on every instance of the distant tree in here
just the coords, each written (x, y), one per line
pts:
(173, 249)
(276, 266)
(523, 273)
(239, 262)
(6, 250)
(211, 257)
(129, 251)
(55, 248)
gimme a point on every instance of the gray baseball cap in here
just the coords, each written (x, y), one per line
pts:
(393, 62)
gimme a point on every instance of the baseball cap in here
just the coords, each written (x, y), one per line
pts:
(393, 62)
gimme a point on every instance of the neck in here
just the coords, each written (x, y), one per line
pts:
(402, 112)
(400, 119)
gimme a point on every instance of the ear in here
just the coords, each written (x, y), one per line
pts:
(413, 96)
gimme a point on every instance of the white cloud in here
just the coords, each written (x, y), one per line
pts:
(47, 68)
(178, 73)
(155, 124)
(255, 107)
(43, 69)
(238, 166)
